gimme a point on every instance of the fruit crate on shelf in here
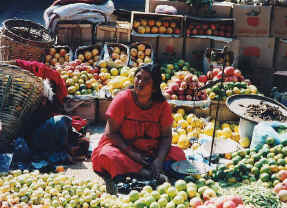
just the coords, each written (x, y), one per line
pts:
(91, 54)
(209, 27)
(140, 53)
(117, 51)
(156, 25)
(58, 54)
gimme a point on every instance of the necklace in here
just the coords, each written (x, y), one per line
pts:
(142, 106)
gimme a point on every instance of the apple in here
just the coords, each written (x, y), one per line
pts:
(48, 58)
(141, 54)
(195, 202)
(181, 97)
(188, 97)
(169, 91)
(169, 30)
(162, 29)
(147, 29)
(194, 31)
(180, 91)
(236, 199)
(173, 97)
(215, 71)
(134, 52)
(95, 52)
(141, 29)
(183, 85)
(174, 87)
(237, 73)
(208, 194)
(209, 32)
(148, 51)
(229, 204)
(52, 51)
(115, 56)
(202, 78)
(229, 70)
(177, 31)
(213, 26)
(141, 47)
(188, 32)
(209, 75)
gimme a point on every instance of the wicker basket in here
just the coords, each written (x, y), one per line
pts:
(22, 39)
(20, 93)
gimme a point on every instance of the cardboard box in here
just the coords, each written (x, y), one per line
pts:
(232, 44)
(167, 46)
(118, 31)
(259, 50)
(194, 49)
(279, 22)
(252, 21)
(281, 54)
(222, 9)
(182, 7)
(74, 34)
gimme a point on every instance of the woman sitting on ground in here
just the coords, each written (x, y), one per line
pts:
(138, 136)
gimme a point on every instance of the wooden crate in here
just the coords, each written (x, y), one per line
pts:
(75, 33)
(119, 31)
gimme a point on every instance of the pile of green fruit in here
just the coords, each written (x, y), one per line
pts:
(230, 88)
(168, 70)
(266, 164)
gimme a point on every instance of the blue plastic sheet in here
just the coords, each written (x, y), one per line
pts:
(264, 130)
(5, 161)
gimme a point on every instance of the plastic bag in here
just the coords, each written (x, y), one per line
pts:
(165, 9)
(267, 129)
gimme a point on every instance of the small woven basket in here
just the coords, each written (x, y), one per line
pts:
(23, 39)
(20, 93)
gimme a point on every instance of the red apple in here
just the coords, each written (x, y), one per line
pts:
(183, 85)
(209, 75)
(215, 71)
(180, 91)
(229, 204)
(177, 31)
(236, 199)
(208, 194)
(194, 31)
(174, 87)
(173, 97)
(168, 91)
(213, 26)
(188, 97)
(181, 97)
(237, 72)
(229, 70)
(202, 78)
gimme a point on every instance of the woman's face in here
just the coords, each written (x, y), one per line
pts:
(143, 83)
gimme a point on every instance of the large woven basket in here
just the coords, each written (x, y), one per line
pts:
(23, 39)
(20, 93)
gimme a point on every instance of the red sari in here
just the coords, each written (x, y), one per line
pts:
(136, 126)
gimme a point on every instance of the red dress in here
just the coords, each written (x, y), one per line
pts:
(135, 123)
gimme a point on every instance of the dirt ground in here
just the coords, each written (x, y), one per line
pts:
(84, 170)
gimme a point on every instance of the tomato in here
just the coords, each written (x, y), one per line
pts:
(215, 71)
(229, 70)
(202, 78)
(237, 73)
(209, 75)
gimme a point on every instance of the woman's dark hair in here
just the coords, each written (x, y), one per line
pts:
(154, 70)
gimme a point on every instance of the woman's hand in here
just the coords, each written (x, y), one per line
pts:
(138, 157)
(156, 167)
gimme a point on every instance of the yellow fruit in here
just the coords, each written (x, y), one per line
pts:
(195, 146)
(183, 142)
(174, 124)
(190, 117)
(163, 85)
(235, 136)
(180, 111)
(236, 90)
(181, 131)
(114, 72)
(208, 130)
(104, 70)
(177, 117)
(225, 125)
(212, 95)
(227, 133)
(236, 128)
(175, 137)
(189, 128)
(193, 134)
(182, 123)
(244, 142)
